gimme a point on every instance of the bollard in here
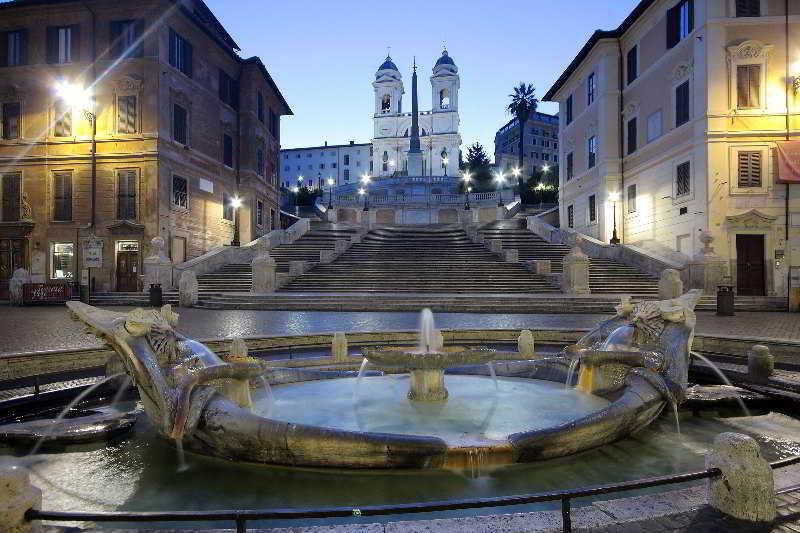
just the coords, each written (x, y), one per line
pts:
(760, 363)
(188, 289)
(17, 496)
(339, 347)
(525, 344)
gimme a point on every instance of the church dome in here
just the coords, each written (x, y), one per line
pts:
(445, 59)
(388, 64)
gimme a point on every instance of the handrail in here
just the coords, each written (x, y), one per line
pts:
(240, 517)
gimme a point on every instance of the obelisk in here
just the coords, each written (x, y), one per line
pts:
(414, 153)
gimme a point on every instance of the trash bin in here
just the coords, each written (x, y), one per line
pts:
(156, 297)
(725, 305)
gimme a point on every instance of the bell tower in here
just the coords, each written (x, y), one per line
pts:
(445, 83)
(388, 86)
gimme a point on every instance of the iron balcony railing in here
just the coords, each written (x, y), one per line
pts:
(241, 517)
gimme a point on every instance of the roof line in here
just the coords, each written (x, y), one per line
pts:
(323, 147)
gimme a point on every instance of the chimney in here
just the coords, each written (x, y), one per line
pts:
(326, 143)
(352, 142)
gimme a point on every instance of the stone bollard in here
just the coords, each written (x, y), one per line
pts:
(511, 256)
(238, 348)
(525, 344)
(297, 268)
(17, 496)
(746, 489)
(18, 279)
(496, 246)
(157, 268)
(326, 256)
(760, 363)
(669, 284)
(264, 274)
(339, 347)
(575, 272)
(340, 246)
(188, 289)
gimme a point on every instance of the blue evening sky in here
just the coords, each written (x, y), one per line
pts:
(323, 54)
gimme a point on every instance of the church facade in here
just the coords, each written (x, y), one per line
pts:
(438, 128)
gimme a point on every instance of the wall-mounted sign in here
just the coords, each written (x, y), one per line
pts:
(788, 161)
(93, 252)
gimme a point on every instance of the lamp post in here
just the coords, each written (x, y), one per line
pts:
(466, 177)
(614, 197)
(545, 170)
(331, 182)
(365, 179)
(236, 203)
(500, 180)
(296, 191)
(517, 173)
(445, 161)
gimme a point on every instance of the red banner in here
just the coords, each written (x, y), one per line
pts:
(788, 162)
(45, 293)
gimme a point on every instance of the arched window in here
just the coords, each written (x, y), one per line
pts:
(385, 161)
(444, 98)
(386, 103)
(424, 133)
(444, 161)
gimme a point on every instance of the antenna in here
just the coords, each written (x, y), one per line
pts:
(388, 51)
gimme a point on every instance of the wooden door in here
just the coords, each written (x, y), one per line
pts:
(750, 268)
(127, 271)
(12, 257)
(178, 250)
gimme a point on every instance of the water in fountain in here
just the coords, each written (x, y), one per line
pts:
(361, 370)
(427, 333)
(675, 412)
(492, 373)
(573, 368)
(724, 379)
(122, 388)
(182, 466)
(79, 398)
(267, 390)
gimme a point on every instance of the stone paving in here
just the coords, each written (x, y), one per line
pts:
(31, 329)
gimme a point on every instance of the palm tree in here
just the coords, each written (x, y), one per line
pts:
(523, 104)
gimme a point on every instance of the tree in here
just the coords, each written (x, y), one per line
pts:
(542, 187)
(523, 104)
(478, 166)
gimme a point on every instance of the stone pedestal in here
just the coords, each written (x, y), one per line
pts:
(525, 344)
(760, 363)
(18, 279)
(188, 290)
(669, 284)
(707, 270)
(326, 256)
(17, 496)
(158, 267)
(339, 347)
(427, 385)
(575, 273)
(297, 268)
(264, 278)
(746, 489)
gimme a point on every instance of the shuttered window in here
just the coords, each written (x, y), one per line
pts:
(748, 86)
(632, 134)
(632, 64)
(11, 197)
(180, 124)
(126, 114)
(126, 195)
(570, 216)
(260, 106)
(570, 166)
(227, 150)
(682, 104)
(591, 149)
(62, 196)
(180, 53)
(683, 179)
(632, 198)
(680, 22)
(569, 109)
(260, 160)
(10, 124)
(592, 208)
(126, 38)
(228, 90)
(749, 169)
(63, 44)
(748, 8)
(13, 48)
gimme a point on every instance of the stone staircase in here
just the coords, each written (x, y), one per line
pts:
(606, 276)
(420, 259)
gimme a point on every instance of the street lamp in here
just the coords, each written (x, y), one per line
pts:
(236, 203)
(445, 161)
(365, 179)
(466, 177)
(296, 191)
(500, 180)
(331, 182)
(614, 197)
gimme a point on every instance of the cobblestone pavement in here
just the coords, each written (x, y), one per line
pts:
(51, 328)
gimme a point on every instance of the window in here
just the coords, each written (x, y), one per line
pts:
(569, 109)
(260, 160)
(632, 64)
(533, 143)
(555, 158)
(632, 198)
(126, 195)
(555, 145)
(11, 191)
(260, 106)
(62, 256)
(680, 22)
(259, 213)
(386, 103)
(748, 8)
(10, 124)
(180, 53)
(63, 44)
(592, 209)
(546, 143)
(274, 123)
(228, 89)
(126, 114)
(444, 99)
(591, 88)
(749, 169)
(683, 179)
(570, 216)
(347, 174)
(13, 48)
(333, 165)
(180, 124)
(748, 86)
(346, 160)
(385, 161)
(126, 38)
(632, 131)
(62, 196)
(227, 207)
(62, 126)
(591, 150)
(545, 157)
(682, 104)
(654, 126)
(180, 192)
(370, 165)
(227, 150)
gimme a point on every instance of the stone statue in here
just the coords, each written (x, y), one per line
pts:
(19, 278)
(188, 289)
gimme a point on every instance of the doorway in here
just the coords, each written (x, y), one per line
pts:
(12, 257)
(750, 268)
(127, 266)
(178, 250)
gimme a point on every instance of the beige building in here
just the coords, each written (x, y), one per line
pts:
(541, 144)
(183, 126)
(673, 119)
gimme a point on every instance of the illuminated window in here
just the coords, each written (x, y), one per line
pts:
(62, 260)
(126, 114)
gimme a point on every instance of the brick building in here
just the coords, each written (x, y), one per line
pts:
(183, 126)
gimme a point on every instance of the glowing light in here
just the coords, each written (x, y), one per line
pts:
(499, 178)
(545, 168)
(391, 162)
(365, 179)
(236, 202)
(331, 182)
(467, 176)
(445, 161)
(295, 189)
(74, 95)
(469, 189)
(362, 191)
(516, 172)
(300, 178)
(613, 196)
